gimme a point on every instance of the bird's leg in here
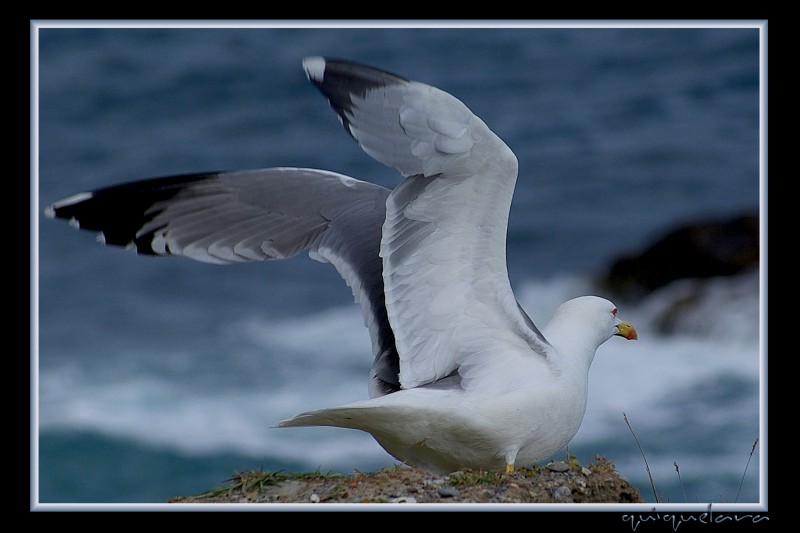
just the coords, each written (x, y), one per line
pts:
(511, 458)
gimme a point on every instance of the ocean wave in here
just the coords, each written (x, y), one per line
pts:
(154, 411)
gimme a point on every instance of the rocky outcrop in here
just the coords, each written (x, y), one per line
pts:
(557, 482)
(699, 250)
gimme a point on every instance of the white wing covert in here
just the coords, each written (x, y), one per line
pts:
(448, 296)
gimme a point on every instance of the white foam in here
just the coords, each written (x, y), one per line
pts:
(725, 309)
(331, 337)
(157, 412)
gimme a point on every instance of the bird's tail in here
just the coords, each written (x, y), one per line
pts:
(346, 416)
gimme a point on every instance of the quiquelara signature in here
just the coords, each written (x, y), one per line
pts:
(677, 519)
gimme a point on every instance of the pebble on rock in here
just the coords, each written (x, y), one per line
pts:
(562, 493)
(558, 466)
(448, 492)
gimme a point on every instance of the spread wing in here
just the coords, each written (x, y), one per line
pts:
(448, 296)
(255, 215)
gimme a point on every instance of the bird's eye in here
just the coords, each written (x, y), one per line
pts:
(614, 311)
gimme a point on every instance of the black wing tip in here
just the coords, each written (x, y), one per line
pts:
(62, 208)
(119, 212)
(339, 80)
(320, 69)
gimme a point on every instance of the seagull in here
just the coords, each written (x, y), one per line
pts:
(461, 377)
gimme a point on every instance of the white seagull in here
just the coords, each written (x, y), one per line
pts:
(462, 378)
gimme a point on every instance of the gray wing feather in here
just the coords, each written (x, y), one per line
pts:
(256, 215)
(445, 276)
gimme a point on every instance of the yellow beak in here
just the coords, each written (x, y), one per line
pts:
(624, 329)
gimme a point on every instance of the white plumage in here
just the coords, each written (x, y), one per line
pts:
(461, 376)
(513, 394)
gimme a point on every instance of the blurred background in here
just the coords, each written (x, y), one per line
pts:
(160, 377)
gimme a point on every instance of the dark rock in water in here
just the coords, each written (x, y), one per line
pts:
(701, 250)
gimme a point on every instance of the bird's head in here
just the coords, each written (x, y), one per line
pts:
(594, 317)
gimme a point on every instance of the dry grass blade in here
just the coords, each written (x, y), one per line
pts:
(678, 470)
(646, 466)
(752, 450)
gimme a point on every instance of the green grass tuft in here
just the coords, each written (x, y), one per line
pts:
(464, 478)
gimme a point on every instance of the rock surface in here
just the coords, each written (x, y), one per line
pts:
(597, 483)
(700, 250)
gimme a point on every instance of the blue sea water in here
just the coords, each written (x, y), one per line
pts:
(158, 377)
